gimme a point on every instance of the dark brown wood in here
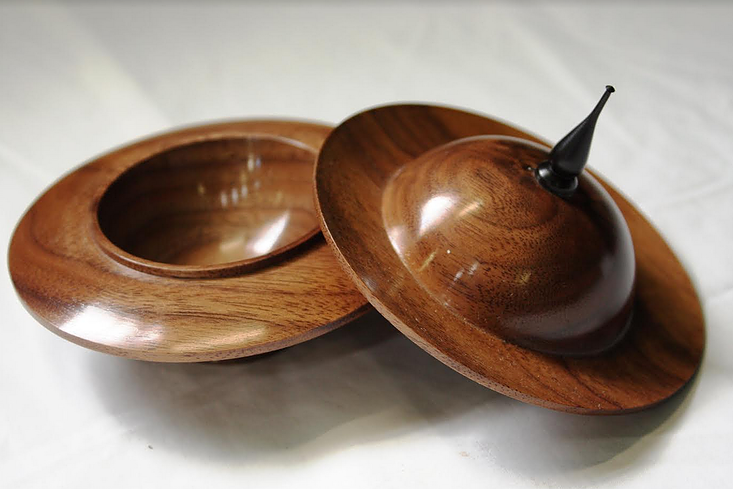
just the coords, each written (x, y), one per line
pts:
(369, 183)
(211, 208)
(478, 232)
(199, 244)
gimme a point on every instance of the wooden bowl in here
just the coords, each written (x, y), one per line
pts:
(199, 244)
(380, 186)
(210, 208)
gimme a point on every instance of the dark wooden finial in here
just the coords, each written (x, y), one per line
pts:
(559, 174)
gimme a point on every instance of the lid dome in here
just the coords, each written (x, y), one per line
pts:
(480, 233)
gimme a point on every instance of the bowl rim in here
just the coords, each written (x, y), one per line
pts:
(224, 269)
(77, 291)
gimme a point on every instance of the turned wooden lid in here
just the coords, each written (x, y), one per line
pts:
(563, 297)
(195, 245)
(479, 233)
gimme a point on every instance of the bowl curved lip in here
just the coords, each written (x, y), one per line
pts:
(218, 270)
(70, 285)
(658, 357)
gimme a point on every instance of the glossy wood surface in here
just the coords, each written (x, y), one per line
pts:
(211, 208)
(479, 233)
(359, 160)
(282, 291)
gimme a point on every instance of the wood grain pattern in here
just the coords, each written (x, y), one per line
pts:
(71, 274)
(477, 231)
(658, 356)
(211, 208)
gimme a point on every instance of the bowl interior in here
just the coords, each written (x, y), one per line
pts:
(213, 202)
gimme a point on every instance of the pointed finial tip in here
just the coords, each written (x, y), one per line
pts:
(559, 174)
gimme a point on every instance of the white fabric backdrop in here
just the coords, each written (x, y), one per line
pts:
(363, 407)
